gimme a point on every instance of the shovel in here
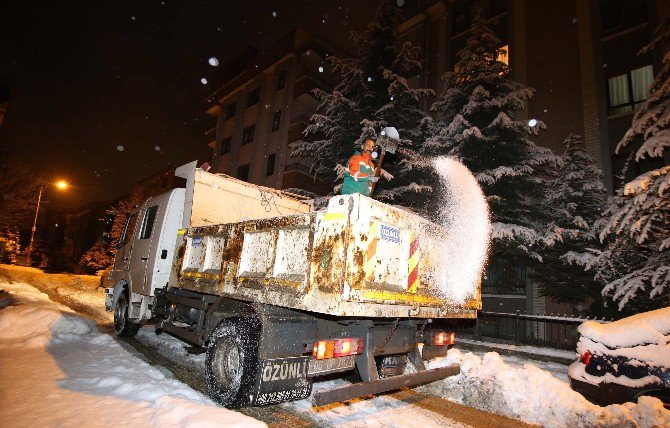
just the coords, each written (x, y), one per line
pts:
(388, 141)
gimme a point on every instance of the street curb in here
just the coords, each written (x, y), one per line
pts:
(490, 347)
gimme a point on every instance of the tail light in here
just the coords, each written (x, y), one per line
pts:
(585, 358)
(442, 338)
(337, 348)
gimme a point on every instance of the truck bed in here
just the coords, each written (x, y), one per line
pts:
(358, 258)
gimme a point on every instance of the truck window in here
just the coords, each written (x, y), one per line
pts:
(127, 229)
(148, 222)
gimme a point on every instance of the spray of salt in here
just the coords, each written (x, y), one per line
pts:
(465, 214)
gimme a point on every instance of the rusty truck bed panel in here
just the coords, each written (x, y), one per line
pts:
(359, 258)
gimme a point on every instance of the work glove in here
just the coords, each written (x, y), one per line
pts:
(374, 179)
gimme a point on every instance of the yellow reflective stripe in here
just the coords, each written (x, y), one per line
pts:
(393, 296)
(333, 216)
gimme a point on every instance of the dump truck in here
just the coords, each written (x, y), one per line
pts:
(279, 291)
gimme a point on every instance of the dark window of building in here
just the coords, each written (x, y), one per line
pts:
(248, 134)
(626, 92)
(243, 172)
(148, 222)
(276, 120)
(281, 80)
(225, 146)
(497, 7)
(254, 96)
(618, 15)
(504, 277)
(270, 167)
(462, 20)
(230, 110)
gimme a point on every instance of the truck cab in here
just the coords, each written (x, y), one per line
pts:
(145, 253)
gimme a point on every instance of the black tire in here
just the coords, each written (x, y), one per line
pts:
(231, 366)
(122, 326)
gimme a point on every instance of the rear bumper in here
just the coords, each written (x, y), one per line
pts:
(604, 393)
(347, 392)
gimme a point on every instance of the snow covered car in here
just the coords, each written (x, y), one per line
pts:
(625, 359)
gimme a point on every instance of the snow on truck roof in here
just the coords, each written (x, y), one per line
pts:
(646, 328)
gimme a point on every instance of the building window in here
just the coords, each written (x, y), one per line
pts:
(281, 80)
(230, 110)
(503, 55)
(254, 96)
(270, 167)
(504, 277)
(276, 120)
(248, 134)
(618, 15)
(225, 146)
(243, 172)
(627, 91)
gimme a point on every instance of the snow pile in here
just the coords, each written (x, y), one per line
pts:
(535, 396)
(465, 214)
(58, 370)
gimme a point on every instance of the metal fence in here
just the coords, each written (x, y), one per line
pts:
(520, 329)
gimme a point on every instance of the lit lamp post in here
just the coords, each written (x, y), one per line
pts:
(60, 185)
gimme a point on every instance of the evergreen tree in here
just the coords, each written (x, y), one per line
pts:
(373, 94)
(574, 202)
(476, 123)
(638, 222)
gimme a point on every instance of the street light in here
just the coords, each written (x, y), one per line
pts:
(60, 185)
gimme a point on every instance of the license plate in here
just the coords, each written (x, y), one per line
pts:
(282, 379)
(330, 365)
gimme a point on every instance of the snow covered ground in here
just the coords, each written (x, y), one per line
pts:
(57, 369)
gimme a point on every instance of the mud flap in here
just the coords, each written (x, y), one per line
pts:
(281, 379)
(347, 392)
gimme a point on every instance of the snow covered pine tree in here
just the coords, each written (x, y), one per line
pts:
(636, 265)
(574, 202)
(476, 123)
(374, 93)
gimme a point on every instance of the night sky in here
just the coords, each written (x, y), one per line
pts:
(87, 77)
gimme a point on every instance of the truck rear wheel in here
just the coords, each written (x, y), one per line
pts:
(232, 361)
(122, 326)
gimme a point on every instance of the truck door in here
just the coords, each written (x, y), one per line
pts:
(141, 256)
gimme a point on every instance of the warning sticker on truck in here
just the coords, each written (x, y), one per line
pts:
(389, 233)
(282, 379)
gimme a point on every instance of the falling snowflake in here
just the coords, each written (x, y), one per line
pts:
(213, 61)
(320, 69)
(369, 79)
(274, 14)
(203, 81)
(574, 20)
(532, 123)
(400, 3)
(132, 17)
(157, 148)
(120, 148)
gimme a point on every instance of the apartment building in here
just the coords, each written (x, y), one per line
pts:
(262, 102)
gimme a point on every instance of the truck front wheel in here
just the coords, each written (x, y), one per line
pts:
(232, 361)
(122, 326)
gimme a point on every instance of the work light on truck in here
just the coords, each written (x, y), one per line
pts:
(337, 348)
(442, 338)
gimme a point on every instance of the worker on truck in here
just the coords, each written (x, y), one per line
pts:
(361, 172)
